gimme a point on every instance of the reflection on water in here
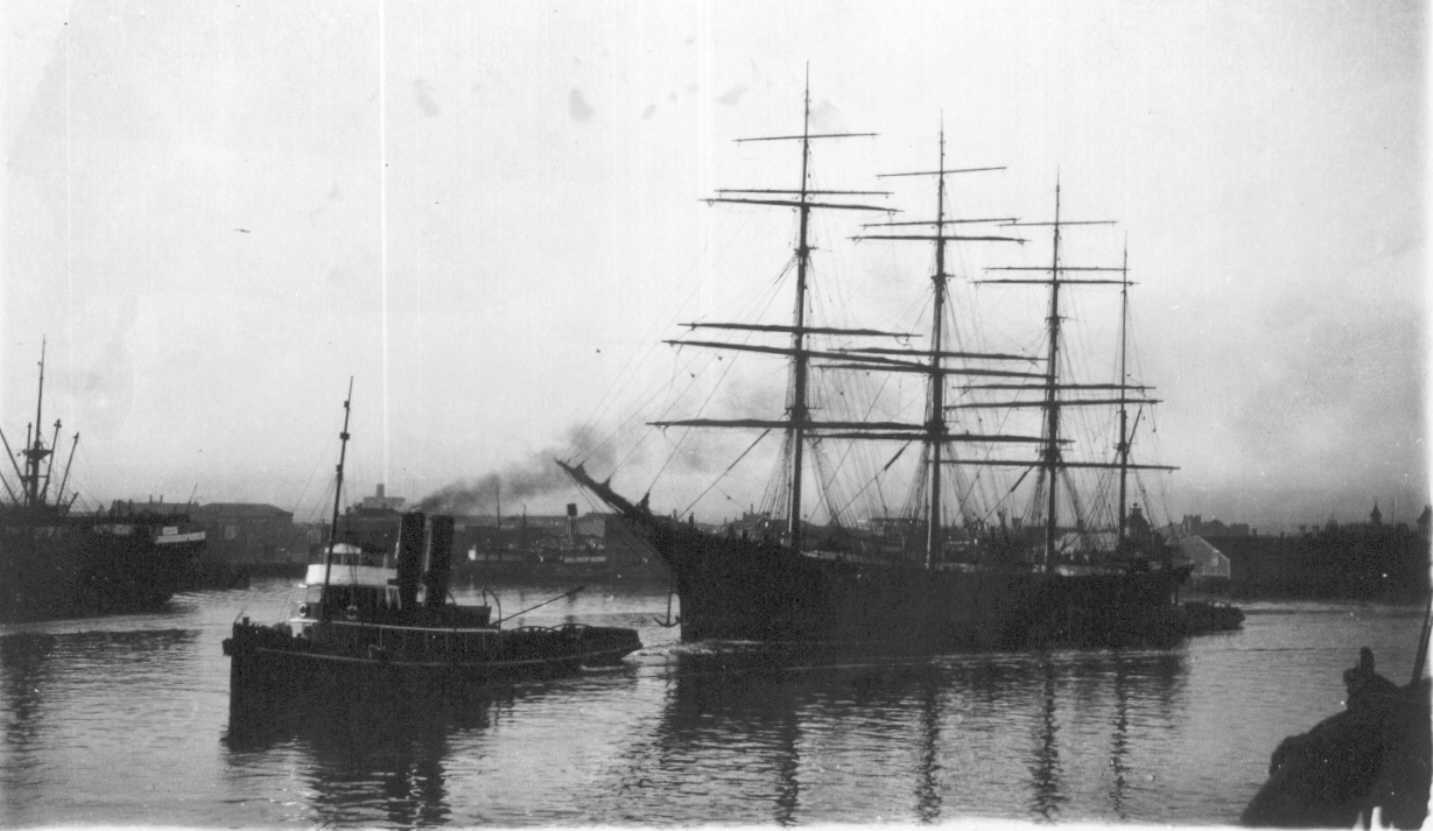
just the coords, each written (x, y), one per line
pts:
(1119, 741)
(31, 662)
(51, 685)
(125, 721)
(367, 718)
(389, 758)
(743, 734)
(927, 788)
(814, 740)
(391, 769)
(1045, 761)
(371, 757)
(23, 659)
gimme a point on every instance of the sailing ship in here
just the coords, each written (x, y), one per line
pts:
(957, 587)
(56, 562)
(382, 621)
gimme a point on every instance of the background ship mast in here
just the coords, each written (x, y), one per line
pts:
(35, 486)
(35, 451)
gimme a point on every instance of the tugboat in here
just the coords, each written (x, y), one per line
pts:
(373, 622)
(56, 563)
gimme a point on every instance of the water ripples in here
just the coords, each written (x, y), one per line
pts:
(125, 721)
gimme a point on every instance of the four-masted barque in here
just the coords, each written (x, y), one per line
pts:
(1048, 583)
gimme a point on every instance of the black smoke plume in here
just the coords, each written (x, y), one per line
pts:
(537, 476)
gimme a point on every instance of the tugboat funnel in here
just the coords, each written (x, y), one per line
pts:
(440, 548)
(410, 558)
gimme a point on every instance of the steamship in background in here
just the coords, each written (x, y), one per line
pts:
(497, 548)
(56, 562)
(1062, 577)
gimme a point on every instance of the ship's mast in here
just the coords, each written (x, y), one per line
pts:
(797, 423)
(936, 386)
(50, 465)
(936, 432)
(35, 451)
(800, 411)
(1052, 400)
(34, 485)
(1123, 446)
(798, 417)
(337, 499)
(1051, 462)
(65, 477)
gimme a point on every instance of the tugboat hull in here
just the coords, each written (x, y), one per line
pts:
(272, 668)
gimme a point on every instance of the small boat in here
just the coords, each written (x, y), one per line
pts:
(375, 621)
(1203, 617)
(1365, 767)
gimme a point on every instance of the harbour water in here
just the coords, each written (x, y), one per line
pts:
(124, 720)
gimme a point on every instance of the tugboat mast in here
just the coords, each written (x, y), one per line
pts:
(337, 498)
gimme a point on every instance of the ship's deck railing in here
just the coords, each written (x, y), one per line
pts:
(438, 643)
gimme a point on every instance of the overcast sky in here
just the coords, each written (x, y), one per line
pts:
(487, 212)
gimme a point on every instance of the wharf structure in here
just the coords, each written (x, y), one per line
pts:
(244, 539)
(249, 539)
(1370, 560)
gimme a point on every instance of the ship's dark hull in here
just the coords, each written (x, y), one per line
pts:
(1370, 760)
(82, 568)
(271, 669)
(747, 590)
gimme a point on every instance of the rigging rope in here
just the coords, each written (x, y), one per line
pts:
(652, 343)
(776, 485)
(1073, 495)
(824, 476)
(996, 507)
(876, 481)
(723, 474)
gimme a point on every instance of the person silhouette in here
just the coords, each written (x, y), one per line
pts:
(1363, 682)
